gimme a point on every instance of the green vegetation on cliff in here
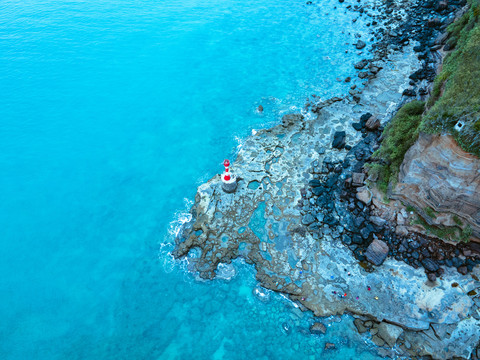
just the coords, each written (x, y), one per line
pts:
(451, 233)
(456, 92)
(400, 133)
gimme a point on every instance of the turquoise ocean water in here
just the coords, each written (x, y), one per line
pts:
(111, 114)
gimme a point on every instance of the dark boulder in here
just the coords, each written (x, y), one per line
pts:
(430, 265)
(463, 270)
(409, 92)
(357, 126)
(360, 45)
(365, 117)
(363, 74)
(357, 239)
(434, 23)
(361, 64)
(339, 140)
(377, 252)
(457, 262)
(366, 231)
(347, 240)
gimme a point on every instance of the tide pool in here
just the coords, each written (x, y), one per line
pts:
(111, 114)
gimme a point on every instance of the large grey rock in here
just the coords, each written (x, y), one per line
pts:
(364, 195)
(377, 252)
(389, 333)
(377, 220)
(377, 340)
(401, 230)
(358, 179)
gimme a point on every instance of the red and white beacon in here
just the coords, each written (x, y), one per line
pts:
(229, 181)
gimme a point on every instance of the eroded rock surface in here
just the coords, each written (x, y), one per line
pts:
(295, 254)
(436, 173)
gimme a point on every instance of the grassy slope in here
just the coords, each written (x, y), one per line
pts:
(460, 82)
(400, 133)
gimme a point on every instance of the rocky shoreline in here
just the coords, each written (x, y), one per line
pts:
(303, 215)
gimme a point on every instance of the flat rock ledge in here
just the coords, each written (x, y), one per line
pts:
(262, 223)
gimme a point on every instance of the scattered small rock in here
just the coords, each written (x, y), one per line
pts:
(361, 64)
(329, 346)
(364, 195)
(377, 340)
(360, 326)
(463, 270)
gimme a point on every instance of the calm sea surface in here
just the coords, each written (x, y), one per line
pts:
(111, 114)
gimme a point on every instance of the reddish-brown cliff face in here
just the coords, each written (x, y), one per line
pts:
(436, 173)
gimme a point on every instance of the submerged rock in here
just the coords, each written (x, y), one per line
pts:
(360, 45)
(329, 346)
(318, 329)
(361, 64)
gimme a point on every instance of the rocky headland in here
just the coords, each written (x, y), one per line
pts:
(308, 215)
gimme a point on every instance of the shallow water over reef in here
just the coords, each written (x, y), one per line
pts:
(111, 114)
